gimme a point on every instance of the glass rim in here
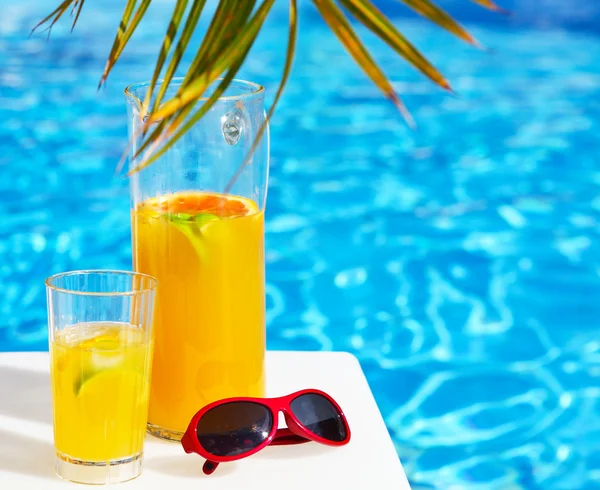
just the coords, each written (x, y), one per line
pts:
(257, 89)
(132, 292)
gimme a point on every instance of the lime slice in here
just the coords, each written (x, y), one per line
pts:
(188, 220)
(103, 353)
(191, 227)
(180, 217)
(202, 219)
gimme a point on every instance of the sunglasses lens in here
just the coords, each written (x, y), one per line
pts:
(319, 416)
(234, 428)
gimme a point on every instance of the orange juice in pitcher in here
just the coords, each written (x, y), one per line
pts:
(206, 250)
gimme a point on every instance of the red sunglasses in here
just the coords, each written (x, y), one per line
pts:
(235, 428)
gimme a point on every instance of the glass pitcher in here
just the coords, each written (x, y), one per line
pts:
(198, 227)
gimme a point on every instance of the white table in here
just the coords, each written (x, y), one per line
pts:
(368, 462)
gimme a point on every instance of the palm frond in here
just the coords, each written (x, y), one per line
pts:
(55, 15)
(125, 32)
(79, 8)
(231, 33)
(435, 14)
(174, 112)
(491, 5)
(229, 16)
(340, 26)
(217, 48)
(188, 29)
(214, 62)
(366, 13)
(178, 12)
(287, 68)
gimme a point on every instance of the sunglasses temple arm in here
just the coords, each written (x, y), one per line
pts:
(285, 437)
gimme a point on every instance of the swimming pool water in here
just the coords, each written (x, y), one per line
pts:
(459, 262)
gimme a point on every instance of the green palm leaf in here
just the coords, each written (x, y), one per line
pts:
(373, 19)
(217, 51)
(431, 11)
(287, 68)
(79, 8)
(190, 25)
(181, 107)
(341, 28)
(55, 15)
(178, 12)
(491, 5)
(231, 33)
(125, 32)
(173, 112)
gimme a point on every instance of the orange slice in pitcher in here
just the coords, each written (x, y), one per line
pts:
(194, 203)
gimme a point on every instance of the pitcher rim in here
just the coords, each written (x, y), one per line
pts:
(257, 90)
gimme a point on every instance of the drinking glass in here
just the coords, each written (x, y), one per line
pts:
(198, 227)
(100, 338)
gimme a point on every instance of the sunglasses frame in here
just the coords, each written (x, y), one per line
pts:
(191, 444)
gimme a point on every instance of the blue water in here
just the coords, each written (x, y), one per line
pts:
(459, 262)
